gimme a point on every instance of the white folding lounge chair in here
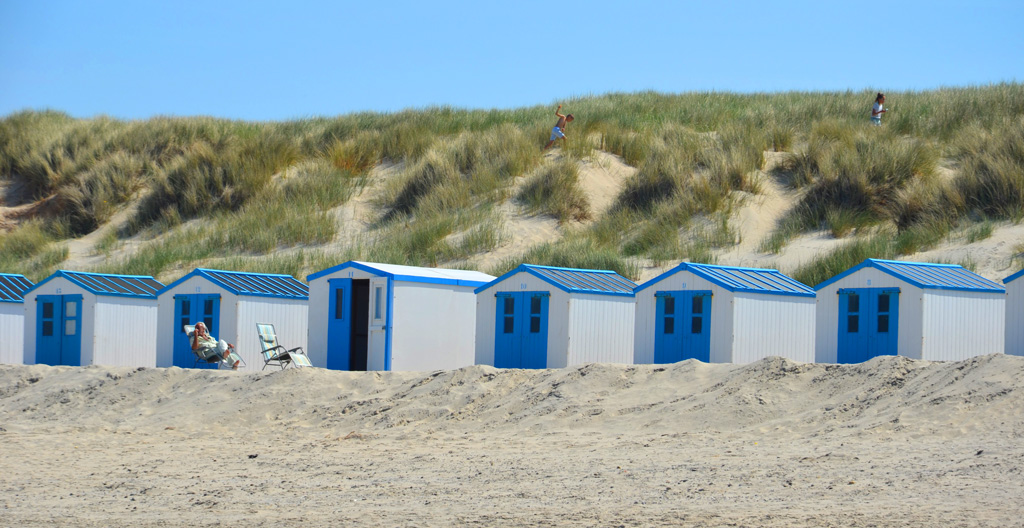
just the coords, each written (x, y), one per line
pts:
(229, 360)
(275, 354)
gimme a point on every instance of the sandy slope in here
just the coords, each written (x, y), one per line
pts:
(775, 443)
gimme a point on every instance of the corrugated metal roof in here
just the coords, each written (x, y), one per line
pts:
(412, 273)
(926, 275)
(250, 284)
(104, 284)
(1014, 277)
(737, 279)
(575, 280)
(13, 287)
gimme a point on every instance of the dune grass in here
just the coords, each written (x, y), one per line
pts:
(31, 250)
(692, 151)
(555, 190)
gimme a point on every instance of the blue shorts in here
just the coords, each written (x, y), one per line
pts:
(556, 133)
(877, 121)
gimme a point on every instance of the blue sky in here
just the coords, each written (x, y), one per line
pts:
(259, 60)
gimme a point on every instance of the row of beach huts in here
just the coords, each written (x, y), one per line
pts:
(381, 317)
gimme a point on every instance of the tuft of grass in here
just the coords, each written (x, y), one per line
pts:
(31, 250)
(991, 176)
(574, 252)
(555, 190)
(980, 232)
(921, 236)
(844, 258)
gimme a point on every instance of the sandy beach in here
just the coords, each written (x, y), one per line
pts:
(891, 442)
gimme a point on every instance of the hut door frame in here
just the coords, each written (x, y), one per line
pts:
(868, 324)
(521, 329)
(682, 326)
(59, 329)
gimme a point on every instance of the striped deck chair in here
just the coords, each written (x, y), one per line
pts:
(277, 355)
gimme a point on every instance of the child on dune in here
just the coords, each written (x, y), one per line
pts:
(559, 129)
(877, 110)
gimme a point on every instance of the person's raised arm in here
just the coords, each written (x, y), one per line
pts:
(557, 113)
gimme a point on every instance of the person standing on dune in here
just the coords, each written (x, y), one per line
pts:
(877, 110)
(559, 129)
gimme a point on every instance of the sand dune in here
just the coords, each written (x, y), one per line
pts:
(774, 443)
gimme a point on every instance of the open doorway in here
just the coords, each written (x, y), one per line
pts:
(360, 311)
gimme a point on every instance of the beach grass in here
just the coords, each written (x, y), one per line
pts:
(267, 187)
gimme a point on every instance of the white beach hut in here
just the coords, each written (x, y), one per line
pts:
(546, 317)
(230, 303)
(938, 312)
(370, 316)
(723, 314)
(1015, 313)
(75, 318)
(12, 318)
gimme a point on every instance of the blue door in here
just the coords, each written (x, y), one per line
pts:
(521, 330)
(59, 330)
(868, 324)
(190, 309)
(682, 326)
(339, 324)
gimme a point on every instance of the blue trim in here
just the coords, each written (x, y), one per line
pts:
(404, 278)
(1014, 277)
(533, 270)
(926, 269)
(88, 282)
(388, 325)
(769, 276)
(282, 287)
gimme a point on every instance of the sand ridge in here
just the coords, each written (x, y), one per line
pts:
(891, 441)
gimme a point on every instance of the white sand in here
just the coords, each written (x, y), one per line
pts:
(892, 442)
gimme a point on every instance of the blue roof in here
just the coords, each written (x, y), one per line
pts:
(571, 280)
(250, 284)
(13, 287)
(735, 279)
(399, 272)
(1014, 277)
(143, 286)
(926, 276)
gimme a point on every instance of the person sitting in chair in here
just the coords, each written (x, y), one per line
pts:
(207, 347)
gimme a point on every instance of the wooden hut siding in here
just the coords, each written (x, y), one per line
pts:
(769, 330)
(420, 346)
(1014, 321)
(12, 333)
(600, 330)
(12, 317)
(948, 334)
(115, 340)
(289, 317)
